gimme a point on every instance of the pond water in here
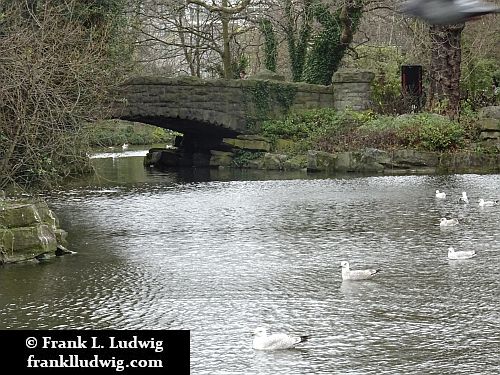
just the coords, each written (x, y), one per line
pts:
(221, 253)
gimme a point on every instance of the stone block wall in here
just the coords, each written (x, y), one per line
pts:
(490, 126)
(352, 89)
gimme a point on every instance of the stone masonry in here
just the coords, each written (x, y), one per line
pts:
(226, 108)
(352, 89)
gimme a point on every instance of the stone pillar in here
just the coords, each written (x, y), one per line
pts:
(352, 89)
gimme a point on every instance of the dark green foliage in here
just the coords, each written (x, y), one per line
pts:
(267, 95)
(386, 63)
(477, 83)
(237, 65)
(242, 158)
(327, 49)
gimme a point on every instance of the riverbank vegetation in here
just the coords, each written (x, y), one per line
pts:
(61, 64)
(332, 131)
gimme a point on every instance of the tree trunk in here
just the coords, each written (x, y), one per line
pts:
(226, 57)
(446, 56)
(298, 37)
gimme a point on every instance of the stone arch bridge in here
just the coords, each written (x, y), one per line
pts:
(226, 108)
(208, 111)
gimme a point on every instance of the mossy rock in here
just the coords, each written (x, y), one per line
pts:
(19, 215)
(25, 243)
(298, 162)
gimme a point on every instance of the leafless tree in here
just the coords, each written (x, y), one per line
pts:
(54, 77)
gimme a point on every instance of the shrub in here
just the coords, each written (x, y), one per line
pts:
(332, 131)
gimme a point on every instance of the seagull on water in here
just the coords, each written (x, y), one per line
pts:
(347, 274)
(447, 12)
(440, 194)
(463, 198)
(263, 341)
(483, 203)
(444, 222)
(124, 146)
(463, 254)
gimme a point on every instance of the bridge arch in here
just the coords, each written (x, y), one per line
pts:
(206, 111)
(214, 107)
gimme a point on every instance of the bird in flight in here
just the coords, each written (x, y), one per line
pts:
(447, 12)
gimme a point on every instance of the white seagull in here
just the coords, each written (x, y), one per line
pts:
(124, 146)
(440, 194)
(463, 198)
(463, 254)
(447, 12)
(483, 203)
(444, 222)
(263, 341)
(347, 274)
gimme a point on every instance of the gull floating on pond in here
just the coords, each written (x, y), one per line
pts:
(444, 222)
(447, 12)
(347, 274)
(463, 254)
(483, 203)
(263, 341)
(124, 146)
(440, 194)
(463, 198)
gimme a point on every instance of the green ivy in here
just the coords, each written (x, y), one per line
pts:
(298, 37)
(266, 93)
(242, 158)
(327, 48)
(270, 44)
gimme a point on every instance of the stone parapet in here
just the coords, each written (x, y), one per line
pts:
(226, 108)
(352, 89)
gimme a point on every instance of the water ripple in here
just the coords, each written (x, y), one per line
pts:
(222, 257)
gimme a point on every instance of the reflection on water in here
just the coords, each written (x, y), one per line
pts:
(221, 253)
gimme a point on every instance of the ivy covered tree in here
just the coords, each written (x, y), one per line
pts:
(331, 41)
(270, 44)
(318, 33)
(298, 28)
